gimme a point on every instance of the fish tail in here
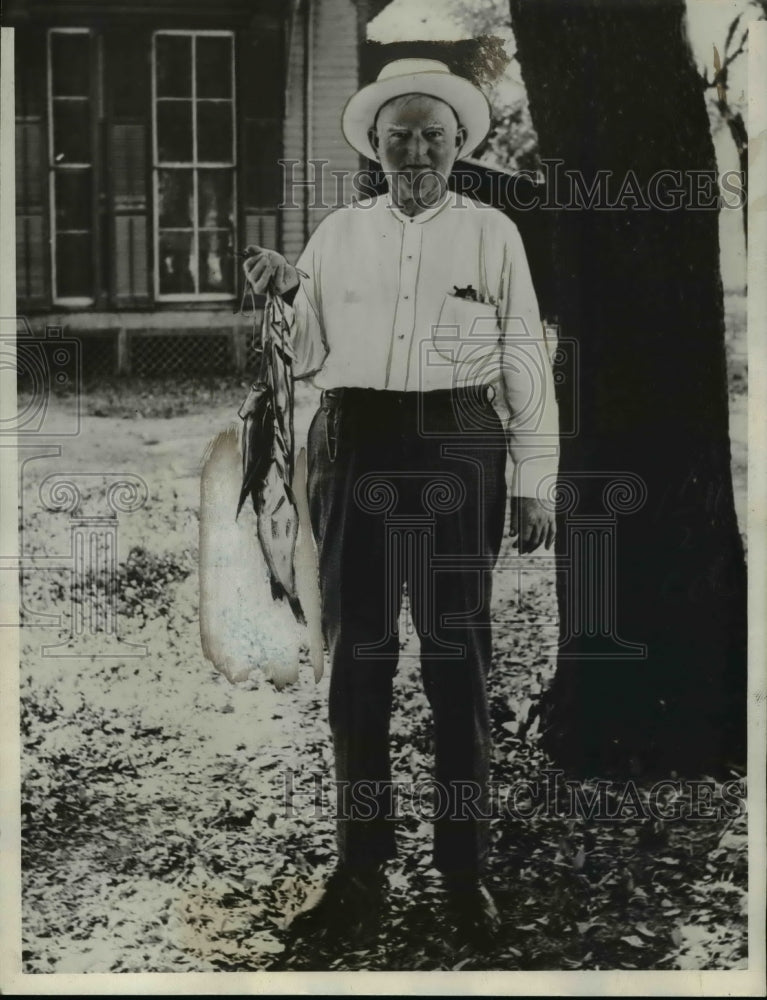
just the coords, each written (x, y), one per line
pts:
(279, 593)
(295, 607)
(244, 494)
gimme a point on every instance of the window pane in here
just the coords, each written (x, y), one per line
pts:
(214, 191)
(214, 67)
(214, 132)
(176, 263)
(173, 55)
(216, 261)
(174, 131)
(70, 65)
(73, 199)
(74, 276)
(176, 195)
(71, 132)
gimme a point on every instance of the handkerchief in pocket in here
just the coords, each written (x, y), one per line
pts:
(464, 322)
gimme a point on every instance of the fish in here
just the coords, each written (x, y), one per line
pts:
(242, 629)
(268, 454)
(277, 530)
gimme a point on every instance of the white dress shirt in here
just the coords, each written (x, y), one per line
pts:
(378, 309)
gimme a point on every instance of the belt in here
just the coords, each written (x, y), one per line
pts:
(330, 398)
(336, 402)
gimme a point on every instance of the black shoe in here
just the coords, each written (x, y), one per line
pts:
(349, 907)
(473, 911)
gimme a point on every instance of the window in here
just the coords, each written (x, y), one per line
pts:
(70, 165)
(193, 164)
(135, 169)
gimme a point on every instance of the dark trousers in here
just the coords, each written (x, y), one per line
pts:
(408, 488)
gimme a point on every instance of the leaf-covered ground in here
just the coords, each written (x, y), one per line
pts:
(158, 833)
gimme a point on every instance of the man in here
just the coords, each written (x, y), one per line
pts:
(416, 315)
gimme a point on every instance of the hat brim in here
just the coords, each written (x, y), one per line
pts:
(468, 102)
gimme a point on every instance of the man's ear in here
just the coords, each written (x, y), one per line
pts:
(460, 137)
(373, 137)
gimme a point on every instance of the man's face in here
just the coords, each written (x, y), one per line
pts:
(417, 139)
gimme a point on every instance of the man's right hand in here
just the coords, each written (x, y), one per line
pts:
(263, 266)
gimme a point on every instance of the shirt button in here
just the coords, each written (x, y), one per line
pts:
(410, 256)
(400, 336)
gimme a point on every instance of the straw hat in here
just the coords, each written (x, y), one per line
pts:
(416, 76)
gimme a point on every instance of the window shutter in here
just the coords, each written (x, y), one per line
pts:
(128, 135)
(32, 280)
(261, 88)
(30, 165)
(128, 153)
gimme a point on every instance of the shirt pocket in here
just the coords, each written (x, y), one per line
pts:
(464, 323)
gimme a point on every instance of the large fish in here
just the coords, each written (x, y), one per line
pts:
(268, 454)
(242, 629)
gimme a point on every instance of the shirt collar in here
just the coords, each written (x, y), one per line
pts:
(422, 217)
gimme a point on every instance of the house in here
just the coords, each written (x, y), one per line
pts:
(148, 141)
(154, 138)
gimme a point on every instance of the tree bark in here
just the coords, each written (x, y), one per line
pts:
(612, 86)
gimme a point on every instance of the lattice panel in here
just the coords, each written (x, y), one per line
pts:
(188, 354)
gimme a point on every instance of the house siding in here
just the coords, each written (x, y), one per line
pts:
(334, 63)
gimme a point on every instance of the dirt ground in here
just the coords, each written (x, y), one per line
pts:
(158, 832)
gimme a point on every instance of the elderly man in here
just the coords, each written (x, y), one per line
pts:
(416, 316)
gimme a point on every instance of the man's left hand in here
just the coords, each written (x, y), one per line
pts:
(531, 524)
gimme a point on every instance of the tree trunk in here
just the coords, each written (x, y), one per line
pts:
(651, 579)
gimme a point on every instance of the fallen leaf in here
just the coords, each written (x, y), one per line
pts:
(589, 925)
(645, 931)
(634, 941)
